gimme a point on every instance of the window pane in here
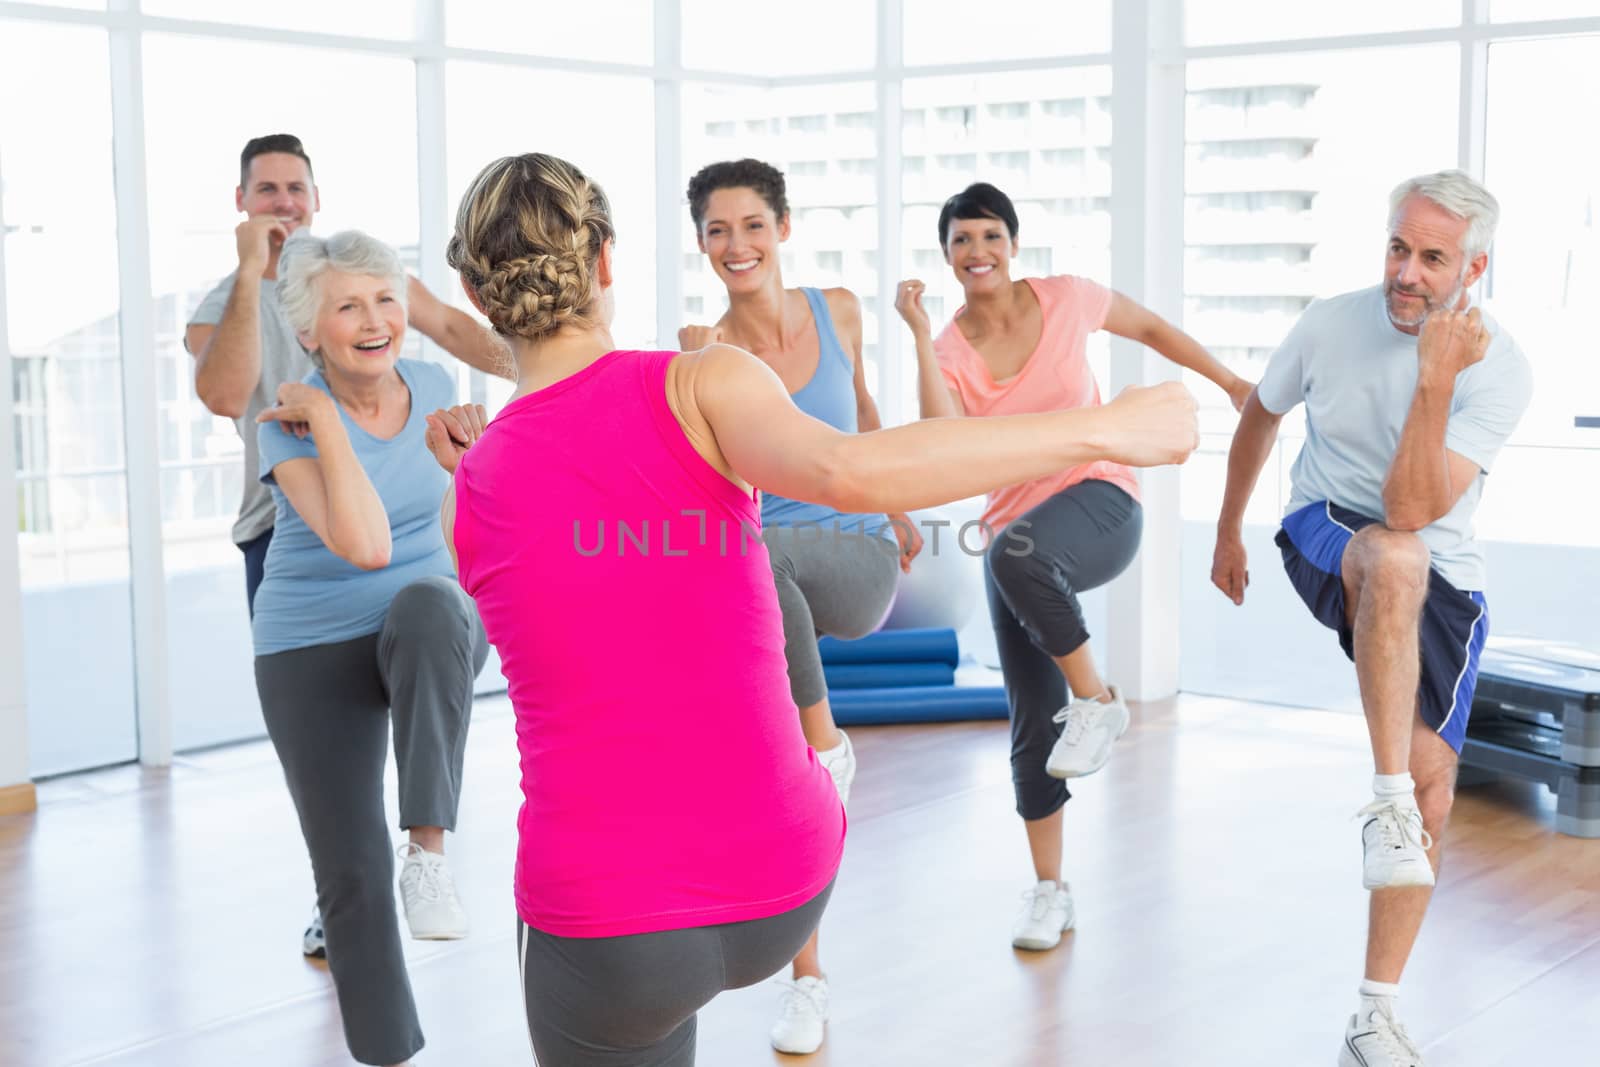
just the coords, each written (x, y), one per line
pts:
(952, 31)
(355, 115)
(1544, 271)
(824, 139)
(1289, 164)
(60, 224)
(1223, 21)
(390, 19)
(565, 30)
(827, 37)
(619, 154)
(1532, 10)
(1041, 137)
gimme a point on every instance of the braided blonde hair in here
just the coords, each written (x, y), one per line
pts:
(528, 237)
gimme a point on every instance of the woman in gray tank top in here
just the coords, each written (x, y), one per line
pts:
(835, 573)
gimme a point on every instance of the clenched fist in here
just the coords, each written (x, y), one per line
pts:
(694, 338)
(1452, 341)
(1153, 425)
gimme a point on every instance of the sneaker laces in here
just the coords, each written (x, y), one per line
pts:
(432, 878)
(1040, 901)
(1399, 828)
(796, 1002)
(1391, 1033)
(1076, 716)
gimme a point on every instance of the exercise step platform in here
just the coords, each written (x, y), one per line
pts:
(1536, 715)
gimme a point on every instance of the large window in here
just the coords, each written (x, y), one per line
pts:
(356, 116)
(555, 29)
(956, 31)
(1289, 161)
(824, 139)
(822, 37)
(619, 155)
(1041, 137)
(65, 342)
(1222, 21)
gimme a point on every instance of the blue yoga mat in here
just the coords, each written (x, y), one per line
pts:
(894, 646)
(861, 707)
(882, 675)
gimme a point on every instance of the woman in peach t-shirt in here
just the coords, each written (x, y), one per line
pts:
(1018, 346)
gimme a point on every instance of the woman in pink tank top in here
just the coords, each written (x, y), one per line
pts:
(677, 836)
(1019, 345)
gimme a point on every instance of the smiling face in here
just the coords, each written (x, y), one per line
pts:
(361, 324)
(1425, 269)
(740, 235)
(979, 252)
(279, 185)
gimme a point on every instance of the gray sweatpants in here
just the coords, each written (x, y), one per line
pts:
(1082, 537)
(838, 584)
(631, 1001)
(327, 710)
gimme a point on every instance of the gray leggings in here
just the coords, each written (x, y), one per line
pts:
(839, 584)
(631, 1001)
(327, 710)
(1082, 537)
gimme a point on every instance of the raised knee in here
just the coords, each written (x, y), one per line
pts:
(1010, 566)
(1391, 558)
(424, 602)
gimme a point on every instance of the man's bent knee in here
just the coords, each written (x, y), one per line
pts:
(1389, 559)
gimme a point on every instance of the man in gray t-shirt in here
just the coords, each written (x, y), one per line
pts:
(1410, 393)
(243, 346)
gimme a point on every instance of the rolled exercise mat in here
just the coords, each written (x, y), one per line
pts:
(894, 646)
(887, 675)
(861, 707)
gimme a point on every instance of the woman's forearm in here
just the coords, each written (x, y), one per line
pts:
(933, 395)
(358, 523)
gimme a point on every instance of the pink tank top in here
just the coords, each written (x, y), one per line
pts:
(665, 780)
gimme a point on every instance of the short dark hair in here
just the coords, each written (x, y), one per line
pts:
(286, 143)
(980, 200)
(764, 178)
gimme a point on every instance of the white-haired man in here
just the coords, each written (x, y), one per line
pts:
(1410, 393)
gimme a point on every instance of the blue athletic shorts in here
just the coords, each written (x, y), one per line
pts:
(1454, 623)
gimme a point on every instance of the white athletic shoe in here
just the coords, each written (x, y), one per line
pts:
(1375, 1038)
(802, 1016)
(1085, 742)
(429, 894)
(841, 763)
(1396, 846)
(1046, 913)
(312, 942)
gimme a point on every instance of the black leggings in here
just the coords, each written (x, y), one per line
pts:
(631, 1001)
(1079, 539)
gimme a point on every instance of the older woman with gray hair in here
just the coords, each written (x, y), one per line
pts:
(360, 618)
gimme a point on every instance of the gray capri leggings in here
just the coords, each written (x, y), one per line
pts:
(838, 584)
(1081, 538)
(631, 1001)
(327, 710)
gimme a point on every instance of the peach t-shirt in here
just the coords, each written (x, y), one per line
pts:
(1055, 377)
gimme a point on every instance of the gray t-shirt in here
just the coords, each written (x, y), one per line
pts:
(1357, 375)
(282, 360)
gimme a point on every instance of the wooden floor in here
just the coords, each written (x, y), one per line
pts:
(153, 918)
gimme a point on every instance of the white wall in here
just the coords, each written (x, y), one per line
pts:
(13, 711)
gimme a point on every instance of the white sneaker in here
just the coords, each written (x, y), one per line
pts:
(1396, 846)
(802, 1015)
(312, 942)
(841, 763)
(1046, 913)
(429, 894)
(1085, 742)
(1375, 1038)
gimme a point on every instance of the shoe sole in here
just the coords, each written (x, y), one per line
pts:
(796, 1050)
(1102, 757)
(445, 935)
(315, 954)
(1040, 946)
(1404, 881)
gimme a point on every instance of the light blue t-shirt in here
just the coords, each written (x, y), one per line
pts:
(1357, 375)
(309, 596)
